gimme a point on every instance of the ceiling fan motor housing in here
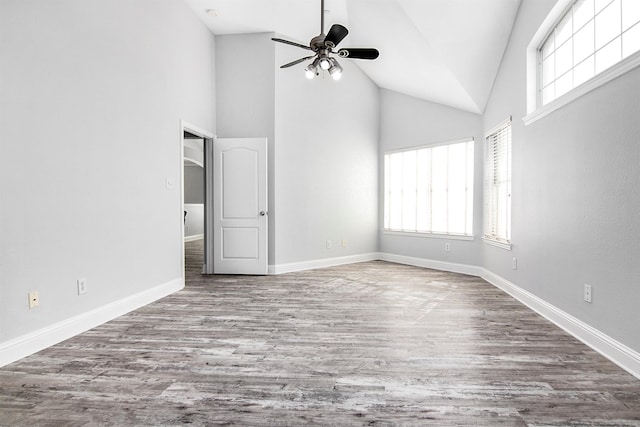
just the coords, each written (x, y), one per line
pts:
(317, 42)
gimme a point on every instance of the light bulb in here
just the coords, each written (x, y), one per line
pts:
(335, 70)
(311, 70)
(325, 64)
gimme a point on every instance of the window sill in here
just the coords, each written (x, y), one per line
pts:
(428, 235)
(604, 77)
(496, 243)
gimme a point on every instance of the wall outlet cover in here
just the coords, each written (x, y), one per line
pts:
(82, 286)
(588, 293)
(34, 299)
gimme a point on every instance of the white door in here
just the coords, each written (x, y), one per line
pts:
(240, 206)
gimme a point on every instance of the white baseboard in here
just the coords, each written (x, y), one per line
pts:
(193, 238)
(23, 346)
(321, 263)
(433, 264)
(623, 356)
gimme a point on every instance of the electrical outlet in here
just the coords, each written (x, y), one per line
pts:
(82, 286)
(447, 247)
(34, 299)
(169, 183)
(514, 263)
(329, 244)
(343, 243)
(588, 293)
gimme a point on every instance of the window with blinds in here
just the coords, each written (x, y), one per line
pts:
(591, 36)
(497, 185)
(430, 189)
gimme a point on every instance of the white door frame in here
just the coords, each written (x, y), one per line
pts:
(208, 138)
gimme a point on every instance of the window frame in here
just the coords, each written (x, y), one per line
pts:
(470, 205)
(487, 211)
(535, 109)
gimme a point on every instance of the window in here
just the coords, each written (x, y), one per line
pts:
(497, 185)
(591, 36)
(430, 189)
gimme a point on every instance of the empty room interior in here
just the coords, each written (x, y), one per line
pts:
(320, 212)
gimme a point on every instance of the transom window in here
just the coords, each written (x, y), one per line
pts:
(591, 36)
(430, 189)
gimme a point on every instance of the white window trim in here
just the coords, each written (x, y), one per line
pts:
(431, 145)
(500, 243)
(534, 110)
(497, 243)
(423, 234)
(498, 127)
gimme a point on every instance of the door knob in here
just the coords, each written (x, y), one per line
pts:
(262, 213)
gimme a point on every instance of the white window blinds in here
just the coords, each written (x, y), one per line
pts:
(497, 184)
(430, 189)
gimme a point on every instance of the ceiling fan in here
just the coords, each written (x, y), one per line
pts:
(323, 47)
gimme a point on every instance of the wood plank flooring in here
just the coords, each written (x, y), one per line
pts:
(365, 344)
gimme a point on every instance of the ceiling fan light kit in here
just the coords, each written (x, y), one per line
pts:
(335, 70)
(322, 45)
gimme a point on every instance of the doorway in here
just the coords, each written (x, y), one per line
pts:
(196, 198)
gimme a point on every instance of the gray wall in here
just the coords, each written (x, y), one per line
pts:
(245, 98)
(193, 184)
(327, 162)
(408, 122)
(576, 176)
(194, 221)
(194, 200)
(323, 142)
(85, 98)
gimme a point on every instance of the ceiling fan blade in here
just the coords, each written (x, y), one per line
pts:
(290, 43)
(359, 53)
(335, 35)
(297, 61)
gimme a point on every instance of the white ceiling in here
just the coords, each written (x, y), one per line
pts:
(444, 51)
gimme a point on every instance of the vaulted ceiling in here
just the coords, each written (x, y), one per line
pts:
(444, 51)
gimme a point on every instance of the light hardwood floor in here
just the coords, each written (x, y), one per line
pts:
(365, 344)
